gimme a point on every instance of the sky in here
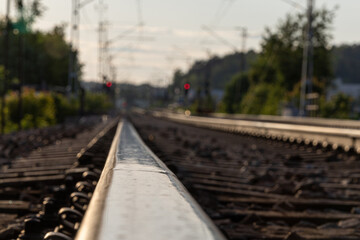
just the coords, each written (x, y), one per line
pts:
(172, 36)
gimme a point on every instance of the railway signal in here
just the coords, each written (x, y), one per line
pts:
(108, 84)
(186, 88)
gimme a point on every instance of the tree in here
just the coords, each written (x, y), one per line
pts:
(27, 14)
(338, 107)
(234, 92)
(347, 62)
(40, 57)
(45, 58)
(222, 70)
(281, 55)
(276, 73)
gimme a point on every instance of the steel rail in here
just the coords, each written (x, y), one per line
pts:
(311, 121)
(334, 123)
(138, 197)
(345, 137)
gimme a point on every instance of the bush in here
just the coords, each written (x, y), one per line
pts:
(42, 109)
(339, 106)
(64, 107)
(263, 98)
(97, 103)
(38, 109)
(234, 93)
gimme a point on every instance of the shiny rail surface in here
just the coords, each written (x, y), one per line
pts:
(138, 197)
(346, 138)
(311, 121)
(324, 122)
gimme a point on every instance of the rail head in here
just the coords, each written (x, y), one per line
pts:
(138, 197)
(344, 137)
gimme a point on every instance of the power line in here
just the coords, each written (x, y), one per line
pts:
(102, 46)
(124, 34)
(294, 4)
(220, 9)
(73, 77)
(223, 12)
(139, 12)
(218, 37)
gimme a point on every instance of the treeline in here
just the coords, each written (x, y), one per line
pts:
(345, 65)
(347, 62)
(222, 69)
(270, 79)
(40, 59)
(34, 68)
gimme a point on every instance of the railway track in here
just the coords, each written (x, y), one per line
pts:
(100, 184)
(44, 192)
(252, 184)
(309, 121)
(321, 133)
(256, 186)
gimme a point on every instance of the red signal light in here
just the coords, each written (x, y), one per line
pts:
(108, 84)
(187, 86)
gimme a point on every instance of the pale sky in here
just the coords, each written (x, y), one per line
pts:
(173, 29)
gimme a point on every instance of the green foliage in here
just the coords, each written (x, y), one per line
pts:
(42, 109)
(275, 75)
(280, 60)
(338, 107)
(44, 56)
(221, 72)
(38, 109)
(234, 93)
(27, 14)
(262, 98)
(97, 103)
(346, 62)
(2, 77)
(64, 107)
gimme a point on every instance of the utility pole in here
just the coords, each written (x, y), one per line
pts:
(244, 36)
(102, 44)
(21, 40)
(6, 65)
(73, 78)
(74, 44)
(307, 64)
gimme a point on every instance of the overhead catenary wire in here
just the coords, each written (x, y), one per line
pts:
(218, 37)
(139, 13)
(219, 15)
(102, 38)
(137, 28)
(73, 78)
(87, 21)
(222, 11)
(140, 29)
(219, 12)
(294, 4)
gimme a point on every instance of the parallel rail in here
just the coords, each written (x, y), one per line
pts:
(347, 138)
(312, 121)
(138, 197)
(334, 123)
